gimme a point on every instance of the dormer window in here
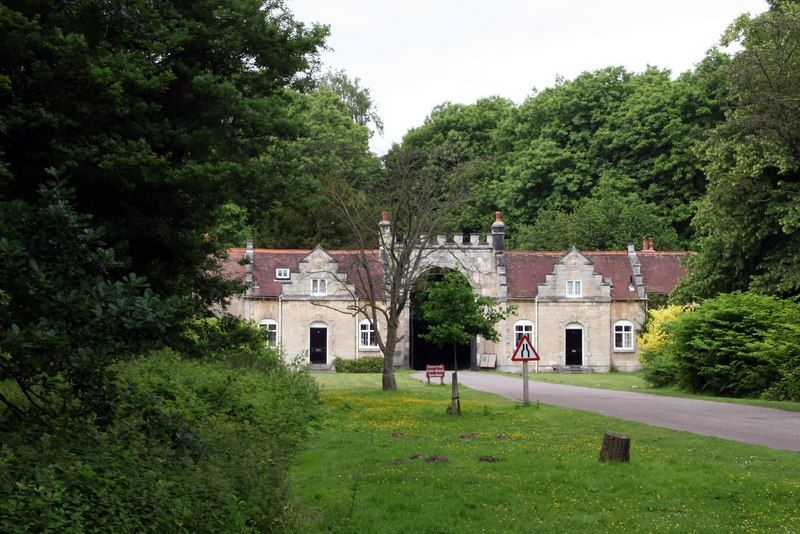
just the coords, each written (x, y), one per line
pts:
(319, 287)
(574, 288)
(282, 274)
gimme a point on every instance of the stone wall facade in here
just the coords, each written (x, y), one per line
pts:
(603, 295)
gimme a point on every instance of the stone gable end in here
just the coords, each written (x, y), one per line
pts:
(574, 266)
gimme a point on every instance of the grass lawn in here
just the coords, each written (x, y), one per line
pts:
(626, 381)
(360, 472)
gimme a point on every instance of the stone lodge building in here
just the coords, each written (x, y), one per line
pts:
(581, 309)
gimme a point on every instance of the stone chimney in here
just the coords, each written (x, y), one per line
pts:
(248, 268)
(498, 233)
(386, 230)
(385, 237)
(648, 245)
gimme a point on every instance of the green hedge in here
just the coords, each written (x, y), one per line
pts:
(196, 446)
(366, 364)
(737, 344)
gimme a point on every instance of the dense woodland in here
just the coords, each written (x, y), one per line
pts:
(139, 140)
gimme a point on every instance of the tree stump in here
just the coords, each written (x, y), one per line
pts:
(616, 448)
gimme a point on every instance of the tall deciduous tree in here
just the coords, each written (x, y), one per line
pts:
(456, 315)
(469, 131)
(609, 219)
(748, 225)
(151, 108)
(418, 193)
(281, 198)
(356, 98)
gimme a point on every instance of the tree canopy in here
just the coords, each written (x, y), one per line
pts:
(150, 110)
(633, 133)
(456, 314)
(748, 225)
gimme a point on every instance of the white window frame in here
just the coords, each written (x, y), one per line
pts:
(319, 287)
(521, 328)
(627, 336)
(574, 288)
(365, 328)
(282, 273)
(271, 326)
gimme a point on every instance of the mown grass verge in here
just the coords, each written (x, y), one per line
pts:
(361, 472)
(626, 382)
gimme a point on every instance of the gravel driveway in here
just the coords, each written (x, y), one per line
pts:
(779, 429)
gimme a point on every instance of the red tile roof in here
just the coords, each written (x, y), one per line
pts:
(615, 265)
(525, 270)
(661, 271)
(266, 261)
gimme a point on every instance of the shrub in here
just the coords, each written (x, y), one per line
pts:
(65, 313)
(366, 364)
(782, 345)
(661, 372)
(654, 337)
(722, 346)
(195, 446)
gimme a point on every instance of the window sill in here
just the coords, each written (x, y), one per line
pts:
(624, 350)
(369, 349)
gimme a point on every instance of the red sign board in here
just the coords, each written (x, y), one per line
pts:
(525, 351)
(436, 371)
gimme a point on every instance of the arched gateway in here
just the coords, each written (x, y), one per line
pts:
(300, 290)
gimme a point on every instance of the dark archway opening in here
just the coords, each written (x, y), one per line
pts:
(424, 352)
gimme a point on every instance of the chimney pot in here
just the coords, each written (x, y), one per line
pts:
(648, 245)
(498, 233)
(384, 215)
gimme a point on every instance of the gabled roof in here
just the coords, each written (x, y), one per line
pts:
(661, 271)
(525, 270)
(266, 261)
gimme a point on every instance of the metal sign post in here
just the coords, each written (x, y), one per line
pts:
(525, 353)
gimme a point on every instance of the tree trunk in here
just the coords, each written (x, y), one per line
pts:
(616, 448)
(388, 378)
(455, 400)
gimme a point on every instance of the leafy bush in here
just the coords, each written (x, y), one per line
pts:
(661, 372)
(735, 345)
(195, 446)
(366, 364)
(654, 337)
(65, 313)
(231, 339)
(782, 345)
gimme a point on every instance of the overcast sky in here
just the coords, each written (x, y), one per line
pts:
(415, 54)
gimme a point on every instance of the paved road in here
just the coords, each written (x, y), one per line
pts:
(779, 429)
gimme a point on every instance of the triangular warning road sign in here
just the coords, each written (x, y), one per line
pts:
(525, 351)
